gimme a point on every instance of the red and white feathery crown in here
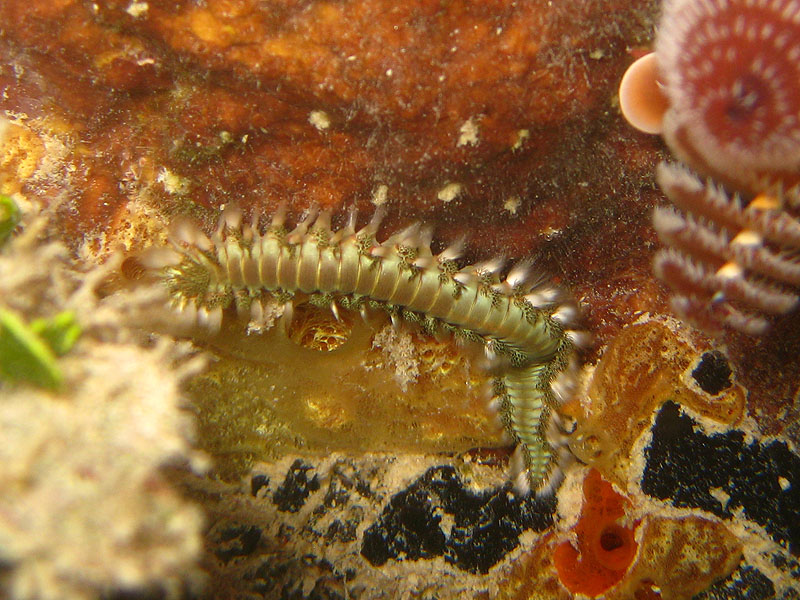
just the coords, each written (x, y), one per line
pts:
(723, 88)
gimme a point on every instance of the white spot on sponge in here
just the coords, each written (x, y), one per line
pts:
(449, 192)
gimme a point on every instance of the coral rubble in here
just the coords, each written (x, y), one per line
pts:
(86, 504)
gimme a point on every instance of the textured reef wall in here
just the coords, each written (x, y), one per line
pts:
(495, 120)
(335, 458)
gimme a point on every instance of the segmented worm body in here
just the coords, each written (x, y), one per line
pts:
(525, 328)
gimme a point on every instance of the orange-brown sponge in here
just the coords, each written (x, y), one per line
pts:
(606, 548)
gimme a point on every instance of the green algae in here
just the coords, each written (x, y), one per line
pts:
(28, 352)
(9, 218)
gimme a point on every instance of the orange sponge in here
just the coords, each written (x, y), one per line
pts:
(605, 548)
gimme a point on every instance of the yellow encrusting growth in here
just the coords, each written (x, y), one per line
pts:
(264, 396)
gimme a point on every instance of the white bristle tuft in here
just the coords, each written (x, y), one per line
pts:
(298, 234)
(231, 218)
(349, 230)
(497, 424)
(565, 459)
(335, 311)
(409, 236)
(215, 319)
(542, 296)
(425, 238)
(555, 430)
(380, 251)
(352, 219)
(323, 221)
(522, 485)
(255, 223)
(566, 314)
(581, 339)
(279, 217)
(505, 436)
(492, 266)
(185, 232)
(453, 251)
(204, 317)
(518, 474)
(463, 277)
(563, 387)
(185, 321)
(374, 224)
(249, 232)
(188, 312)
(256, 313)
(518, 274)
(551, 484)
(286, 317)
(158, 258)
(516, 463)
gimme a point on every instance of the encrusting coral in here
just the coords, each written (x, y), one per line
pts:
(619, 550)
(646, 365)
(86, 506)
(724, 94)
